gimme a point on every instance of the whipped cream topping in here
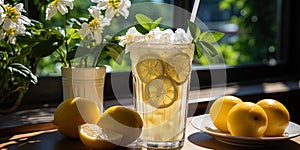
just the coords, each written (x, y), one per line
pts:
(155, 36)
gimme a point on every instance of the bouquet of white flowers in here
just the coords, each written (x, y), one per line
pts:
(89, 31)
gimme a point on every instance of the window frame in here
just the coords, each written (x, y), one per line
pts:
(48, 92)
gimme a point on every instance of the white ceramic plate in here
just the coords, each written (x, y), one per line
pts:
(204, 124)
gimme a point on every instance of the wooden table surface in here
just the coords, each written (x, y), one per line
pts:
(50, 139)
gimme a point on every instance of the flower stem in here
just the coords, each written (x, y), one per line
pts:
(66, 40)
(62, 57)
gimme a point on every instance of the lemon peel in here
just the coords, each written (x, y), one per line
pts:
(278, 116)
(247, 119)
(123, 120)
(219, 111)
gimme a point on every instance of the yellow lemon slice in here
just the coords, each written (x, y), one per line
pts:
(149, 69)
(178, 67)
(161, 92)
(96, 137)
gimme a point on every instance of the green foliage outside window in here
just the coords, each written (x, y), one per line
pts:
(256, 40)
(258, 32)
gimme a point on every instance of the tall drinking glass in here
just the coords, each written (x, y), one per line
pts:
(161, 83)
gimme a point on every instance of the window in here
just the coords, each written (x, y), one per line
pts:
(256, 45)
(275, 57)
(252, 28)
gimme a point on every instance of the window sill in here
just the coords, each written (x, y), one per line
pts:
(285, 91)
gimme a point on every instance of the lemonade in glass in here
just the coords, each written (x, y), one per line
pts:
(161, 80)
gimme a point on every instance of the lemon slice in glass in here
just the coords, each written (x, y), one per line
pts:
(161, 92)
(178, 67)
(149, 69)
(96, 137)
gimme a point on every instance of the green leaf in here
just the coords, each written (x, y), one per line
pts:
(112, 50)
(22, 71)
(71, 54)
(36, 24)
(194, 30)
(209, 48)
(71, 31)
(144, 21)
(164, 27)
(26, 51)
(156, 23)
(102, 56)
(46, 47)
(115, 55)
(2, 55)
(198, 49)
(6, 46)
(211, 36)
(141, 29)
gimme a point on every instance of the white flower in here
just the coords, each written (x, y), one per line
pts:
(132, 35)
(114, 7)
(2, 15)
(22, 19)
(12, 15)
(12, 21)
(94, 28)
(60, 5)
(11, 33)
(95, 12)
(11, 37)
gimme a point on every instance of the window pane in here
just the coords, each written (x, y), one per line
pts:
(251, 28)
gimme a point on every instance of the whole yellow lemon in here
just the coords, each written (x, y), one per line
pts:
(247, 119)
(123, 120)
(73, 112)
(219, 110)
(278, 116)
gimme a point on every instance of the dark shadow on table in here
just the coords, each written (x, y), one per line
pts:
(206, 141)
(51, 140)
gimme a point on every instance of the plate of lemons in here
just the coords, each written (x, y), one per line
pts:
(204, 124)
(235, 122)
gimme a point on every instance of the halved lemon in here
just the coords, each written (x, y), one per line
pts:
(161, 92)
(96, 137)
(149, 69)
(178, 67)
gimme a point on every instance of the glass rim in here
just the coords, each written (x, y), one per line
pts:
(153, 44)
